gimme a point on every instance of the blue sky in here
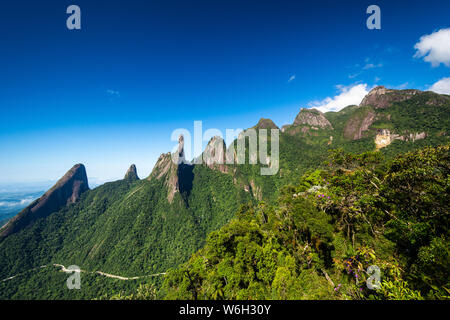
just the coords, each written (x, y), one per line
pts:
(111, 94)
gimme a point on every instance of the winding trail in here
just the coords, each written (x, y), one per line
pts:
(65, 270)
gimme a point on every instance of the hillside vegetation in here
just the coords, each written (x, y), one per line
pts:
(338, 204)
(319, 239)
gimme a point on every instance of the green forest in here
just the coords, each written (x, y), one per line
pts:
(321, 236)
(341, 213)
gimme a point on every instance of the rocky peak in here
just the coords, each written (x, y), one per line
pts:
(376, 97)
(131, 173)
(165, 168)
(66, 191)
(313, 118)
(162, 166)
(378, 90)
(174, 169)
(214, 155)
(265, 124)
(72, 184)
(380, 97)
(168, 160)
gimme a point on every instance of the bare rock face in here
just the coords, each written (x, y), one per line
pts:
(265, 124)
(355, 126)
(66, 191)
(376, 97)
(385, 137)
(180, 156)
(176, 171)
(313, 118)
(165, 168)
(131, 174)
(162, 166)
(214, 155)
(380, 97)
(417, 136)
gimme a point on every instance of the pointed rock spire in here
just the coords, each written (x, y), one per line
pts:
(179, 157)
(168, 168)
(131, 173)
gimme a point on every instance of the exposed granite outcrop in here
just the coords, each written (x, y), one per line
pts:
(264, 123)
(313, 118)
(214, 155)
(175, 170)
(355, 126)
(380, 97)
(385, 137)
(165, 168)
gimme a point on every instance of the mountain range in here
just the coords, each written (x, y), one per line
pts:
(137, 227)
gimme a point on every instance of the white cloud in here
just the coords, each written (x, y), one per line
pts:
(26, 201)
(372, 66)
(16, 203)
(351, 95)
(434, 48)
(291, 78)
(442, 86)
(367, 65)
(351, 76)
(113, 93)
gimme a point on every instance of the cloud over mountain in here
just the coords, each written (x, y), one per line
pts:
(349, 95)
(442, 86)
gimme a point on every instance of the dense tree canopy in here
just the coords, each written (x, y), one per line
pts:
(321, 236)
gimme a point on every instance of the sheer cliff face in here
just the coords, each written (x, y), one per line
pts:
(66, 191)
(170, 167)
(358, 124)
(378, 101)
(215, 156)
(177, 172)
(166, 169)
